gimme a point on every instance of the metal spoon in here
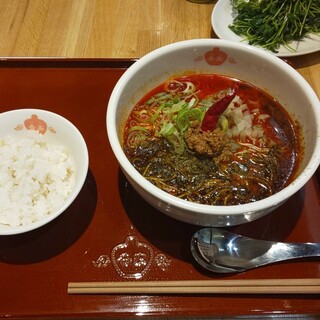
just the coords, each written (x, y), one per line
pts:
(223, 252)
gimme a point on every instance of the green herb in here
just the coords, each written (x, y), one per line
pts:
(271, 23)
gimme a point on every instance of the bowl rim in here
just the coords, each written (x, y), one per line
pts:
(234, 210)
(8, 230)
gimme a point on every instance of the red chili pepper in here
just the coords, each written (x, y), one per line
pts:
(212, 115)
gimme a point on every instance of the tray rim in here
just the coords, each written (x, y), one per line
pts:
(56, 62)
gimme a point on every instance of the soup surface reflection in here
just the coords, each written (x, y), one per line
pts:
(213, 140)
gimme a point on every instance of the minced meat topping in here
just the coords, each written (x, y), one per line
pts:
(210, 143)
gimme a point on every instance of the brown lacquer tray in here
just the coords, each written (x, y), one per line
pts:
(109, 226)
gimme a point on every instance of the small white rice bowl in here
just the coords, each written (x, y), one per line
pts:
(44, 163)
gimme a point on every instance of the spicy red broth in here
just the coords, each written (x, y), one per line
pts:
(247, 150)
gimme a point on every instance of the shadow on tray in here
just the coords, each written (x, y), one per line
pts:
(173, 237)
(55, 237)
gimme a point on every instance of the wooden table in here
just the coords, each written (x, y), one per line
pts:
(110, 29)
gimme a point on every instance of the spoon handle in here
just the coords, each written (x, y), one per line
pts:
(286, 251)
(301, 250)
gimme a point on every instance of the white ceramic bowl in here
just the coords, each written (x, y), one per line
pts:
(56, 130)
(227, 58)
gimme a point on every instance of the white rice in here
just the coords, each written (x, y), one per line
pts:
(36, 178)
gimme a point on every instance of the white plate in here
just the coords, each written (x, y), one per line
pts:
(223, 15)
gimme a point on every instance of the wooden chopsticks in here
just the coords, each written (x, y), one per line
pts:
(250, 286)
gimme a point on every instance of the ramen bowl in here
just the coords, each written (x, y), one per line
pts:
(240, 61)
(44, 164)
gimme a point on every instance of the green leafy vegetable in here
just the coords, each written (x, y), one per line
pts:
(271, 23)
